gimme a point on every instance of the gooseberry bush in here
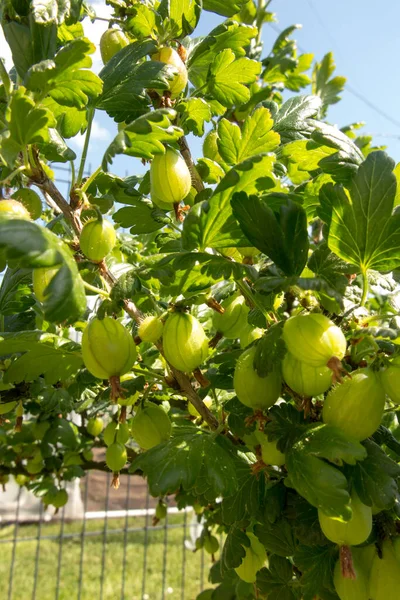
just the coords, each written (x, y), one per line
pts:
(238, 314)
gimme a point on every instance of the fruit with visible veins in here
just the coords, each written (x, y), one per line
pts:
(384, 581)
(150, 329)
(184, 341)
(170, 179)
(352, 532)
(305, 379)
(97, 239)
(31, 201)
(356, 406)
(251, 389)
(351, 589)
(108, 348)
(150, 426)
(12, 209)
(169, 56)
(233, 321)
(111, 42)
(314, 339)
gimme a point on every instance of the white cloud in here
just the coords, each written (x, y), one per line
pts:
(98, 133)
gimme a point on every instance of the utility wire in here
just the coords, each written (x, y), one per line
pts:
(348, 87)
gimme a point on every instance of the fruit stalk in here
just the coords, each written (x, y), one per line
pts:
(185, 151)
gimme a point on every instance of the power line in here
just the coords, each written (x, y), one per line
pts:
(349, 87)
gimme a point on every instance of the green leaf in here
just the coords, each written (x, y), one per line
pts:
(277, 579)
(210, 224)
(126, 80)
(194, 112)
(141, 216)
(282, 235)
(182, 16)
(234, 551)
(227, 35)
(26, 123)
(330, 268)
(14, 291)
(362, 229)
(277, 537)
(287, 425)
(326, 441)
(316, 564)
(209, 170)
(42, 354)
(184, 457)
(294, 121)
(67, 78)
(343, 164)
(228, 78)
(226, 8)
(145, 137)
(321, 484)
(324, 85)
(70, 121)
(375, 478)
(56, 150)
(270, 351)
(256, 136)
(29, 245)
(143, 22)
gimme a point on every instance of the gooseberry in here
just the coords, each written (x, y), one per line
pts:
(170, 179)
(150, 329)
(150, 426)
(171, 57)
(352, 532)
(233, 321)
(184, 341)
(111, 42)
(251, 389)
(304, 379)
(97, 239)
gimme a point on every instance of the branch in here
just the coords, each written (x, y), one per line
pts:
(185, 151)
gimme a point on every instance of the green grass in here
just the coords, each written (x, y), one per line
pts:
(24, 567)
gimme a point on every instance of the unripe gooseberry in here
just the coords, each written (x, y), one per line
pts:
(305, 379)
(233, 321)
(150, 329)
(356, 406)
(352, 532)
(351, 589)
(116, 432)
(390, 378)
(384, 581)
(249, 335)
(12, 209)
(97, 239)
(116, 457)
(41, 279)
(211, 544)
(21, 479)
(252, 390)
(314, 339)
(108, 348)
(161, 510)
(150, 426)
(31, 201)
(184, 341)
(269, 451)
(169, 56)
(95, 426)
(192, 411)
(111, 42)
(57, 499)
(170, 179)
(253, 561)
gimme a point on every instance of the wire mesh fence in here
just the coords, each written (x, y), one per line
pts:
(107, 553)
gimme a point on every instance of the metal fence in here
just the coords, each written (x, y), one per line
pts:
(107, 554)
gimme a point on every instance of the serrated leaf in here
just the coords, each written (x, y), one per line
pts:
(29, 245)
(294, 121)
(277, 537)
(270, 351)
(194, 112)
(229, 76)
(326, 441)
(343, 164)
(182, 15)
(56, 150)
(256, 136)
(286, 426)
(41, 355)
(226, 35)
(330, 268)
(317, 564)
(226, 8)
(143, 22)
(210, 223)
(375, 478)
(141, 216)
(276, 580)
(324, 85)
(145, 137)
(362, 229)
(209, 170)
(234, 551)
(14, 291)
(282, 235)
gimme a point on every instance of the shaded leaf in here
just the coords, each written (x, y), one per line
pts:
(229, 76)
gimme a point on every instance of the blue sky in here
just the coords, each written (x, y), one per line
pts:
(363, 36)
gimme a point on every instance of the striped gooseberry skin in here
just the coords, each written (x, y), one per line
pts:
(352, 532)
(185, 342)
(97, 239)
(150, 329)
(314, 339)
(170, 179)
(171, 57)
(233, 322)
(108, 348)
(304, 379)
(252, 390)
(111, 42)
(150, 426)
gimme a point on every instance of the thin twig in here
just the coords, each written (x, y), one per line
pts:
(185, 151)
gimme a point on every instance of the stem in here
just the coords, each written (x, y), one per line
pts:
(26, 158)
(2, 323)
(5, 79)
(364, 274)
(11, 176)
(90, 114)
(247, 293)
(185, 151)
(96, 290)
(202, 87)
(90, 180)
(73, 175)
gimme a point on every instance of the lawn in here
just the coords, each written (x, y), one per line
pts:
(142, 548)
